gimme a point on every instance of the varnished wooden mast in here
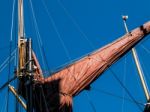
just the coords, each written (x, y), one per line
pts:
(25, 58)
(21, 38)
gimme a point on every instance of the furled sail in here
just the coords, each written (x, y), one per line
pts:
(58, 89)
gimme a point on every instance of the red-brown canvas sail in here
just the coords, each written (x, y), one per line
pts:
(58, 89)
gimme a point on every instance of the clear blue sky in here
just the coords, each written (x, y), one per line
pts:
(69, 29)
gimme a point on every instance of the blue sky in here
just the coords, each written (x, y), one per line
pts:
(69, 29)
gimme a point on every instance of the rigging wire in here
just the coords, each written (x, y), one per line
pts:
(3, 109)
(90, 102)
(11, 39)
(16, 82)
(5, 47)
(40, 43)
(125, 88)
(5, 65)
(76, 24)
(147, 50)
(114, 95)
(37, 32)
(135, 72)
(124, 80)
(146, 74)
(56, 30)
(6, 83)
(6, 61)
(42, 51)
(145, 70)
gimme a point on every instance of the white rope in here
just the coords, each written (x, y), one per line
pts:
(56, 30)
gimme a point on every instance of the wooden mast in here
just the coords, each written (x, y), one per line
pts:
(21, 39)
(25, 72)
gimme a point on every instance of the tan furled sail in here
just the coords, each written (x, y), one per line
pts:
(68, 82)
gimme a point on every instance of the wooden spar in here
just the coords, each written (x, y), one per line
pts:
(74, 78)
(20, 20)
(25, 62)
(21, 39)
(11, 88)
(138, 66)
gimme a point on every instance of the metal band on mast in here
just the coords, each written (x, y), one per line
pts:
(135, 56)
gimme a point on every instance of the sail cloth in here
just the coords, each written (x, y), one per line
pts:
(59, 88)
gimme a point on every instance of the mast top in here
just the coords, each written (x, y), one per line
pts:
(20, 20)
(21, 38)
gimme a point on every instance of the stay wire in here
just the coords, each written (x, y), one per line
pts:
(41, 48)
(117, 78)
(40, 44)
(6, 64)
(7, 60)
(76, 24)
(146, 49)
(124, 80)
(6, 83)
(16, 82)
(3, 109)
(9, 67)
(146, 74)
(125, 88)
(56, 30)
(114, 95)
(90, 102)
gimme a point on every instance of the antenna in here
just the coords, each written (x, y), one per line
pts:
(138, 66)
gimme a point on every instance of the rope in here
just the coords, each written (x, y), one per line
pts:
(5, 65)
(76, 24)
(128, 92)
(147, 50)
(56, 30)
(124, 80)
(90, 102)
(6, 61)
(6, 83)
(11, 38)
(3, 109)
(37, 32)
(116, 96)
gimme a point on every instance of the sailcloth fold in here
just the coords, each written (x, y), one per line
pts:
(59, 88)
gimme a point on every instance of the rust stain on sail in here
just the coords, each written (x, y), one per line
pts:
(71, 80)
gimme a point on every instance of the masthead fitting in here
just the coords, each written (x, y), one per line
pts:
(125, 17)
